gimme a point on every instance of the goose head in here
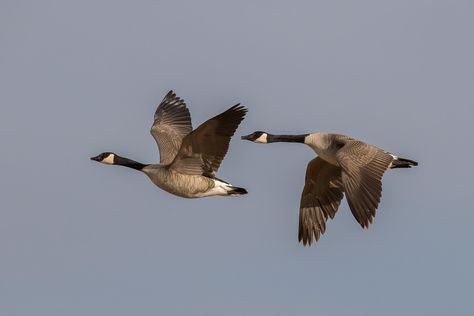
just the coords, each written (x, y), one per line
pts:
(107, 158)
(257, 137)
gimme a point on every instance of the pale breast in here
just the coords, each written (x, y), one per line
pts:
(325, 145)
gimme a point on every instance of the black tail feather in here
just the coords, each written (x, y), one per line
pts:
(237, 191)
(403, 163)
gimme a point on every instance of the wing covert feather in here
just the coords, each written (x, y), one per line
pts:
(363, 166)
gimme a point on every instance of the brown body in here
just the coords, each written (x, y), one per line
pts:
(344, 166)
(189, 158)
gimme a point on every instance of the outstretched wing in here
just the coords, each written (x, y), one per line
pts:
(320, 199)
(172, 123)
(203, 150)
(363, 166)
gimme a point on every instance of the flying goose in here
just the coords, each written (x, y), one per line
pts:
(344, 165)
(189, 158)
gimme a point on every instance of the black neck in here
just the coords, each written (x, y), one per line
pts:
(121, 161)
(286, 138)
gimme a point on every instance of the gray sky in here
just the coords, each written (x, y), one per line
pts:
(81, 77)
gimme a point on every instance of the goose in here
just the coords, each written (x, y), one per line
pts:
(189, 158)
(343, 165)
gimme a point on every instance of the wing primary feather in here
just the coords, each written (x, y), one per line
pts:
(320, 199)
(172, 122)
(203, 150)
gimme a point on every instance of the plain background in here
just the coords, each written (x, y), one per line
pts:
(81, 77)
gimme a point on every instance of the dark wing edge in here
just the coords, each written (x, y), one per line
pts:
(320, 199)
(203, 150)
(172, 122)
(363, 167)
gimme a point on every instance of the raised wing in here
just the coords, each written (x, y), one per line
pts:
(203, 150)
(363, 166)
(320, 199)
(172, 123)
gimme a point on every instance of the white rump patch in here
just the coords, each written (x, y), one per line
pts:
(220, 188)
(394, 158)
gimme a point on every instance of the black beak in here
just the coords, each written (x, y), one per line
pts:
(96, 158)
(247, 137)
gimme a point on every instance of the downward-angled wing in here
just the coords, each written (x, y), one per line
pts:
(172, 123)
(203, 150)
(363, 166)
(320, 199)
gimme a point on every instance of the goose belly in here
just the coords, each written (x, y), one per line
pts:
(187, 186)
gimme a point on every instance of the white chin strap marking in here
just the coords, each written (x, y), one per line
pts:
(109, 160)
(262, 139)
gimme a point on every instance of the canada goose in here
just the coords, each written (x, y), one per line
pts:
(189, 158)
(344, 165)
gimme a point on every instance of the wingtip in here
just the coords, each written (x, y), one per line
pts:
(171, 97)
(239, 107)
(237, 111)
(306, 242)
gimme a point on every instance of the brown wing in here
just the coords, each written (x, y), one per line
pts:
(363, 166)
(203, 150)
(320, 199)
(172, 123)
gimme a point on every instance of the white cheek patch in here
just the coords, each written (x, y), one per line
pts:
(262, 139)
(109, 160)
